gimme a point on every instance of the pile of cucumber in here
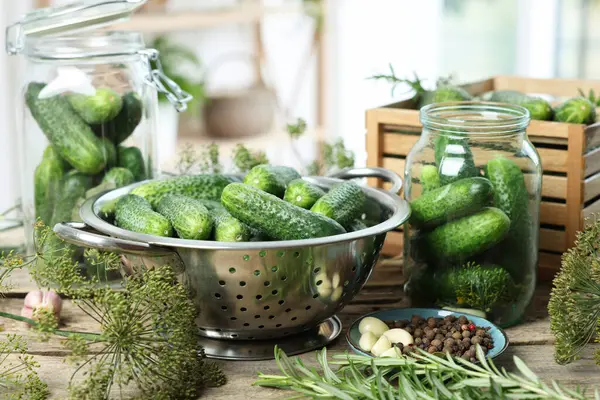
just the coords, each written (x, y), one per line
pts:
(576, 110)
(272, 203)
(85, 154)
(471, 218)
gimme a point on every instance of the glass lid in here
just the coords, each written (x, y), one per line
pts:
(77, 16)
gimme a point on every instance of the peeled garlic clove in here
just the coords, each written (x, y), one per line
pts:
(335, 279)
(367, 341)
(325, 282)
(398, 335)
(373, 325)
(337, 293)
(393, 352)
(381, 346)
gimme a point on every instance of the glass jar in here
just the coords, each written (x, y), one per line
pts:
(474, 184)
(88, 107)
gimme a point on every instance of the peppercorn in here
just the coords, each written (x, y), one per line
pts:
(480, 332)
(439, 336)
(432, 349)
(476, 340)
(409, 329)
(415, 319)
(456, 335)
(466, 342)
(465, 356)
(463, 320)
(430, 335)
(472, 326)
(448, 342)
(449, 335)
(417, 341)
(431, 322)
(436, 343)
(418, 332)
(466, 334)
(447, 350)
(464, 327)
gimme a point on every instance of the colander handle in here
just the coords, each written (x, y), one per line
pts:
(77, 233)
(371, 172)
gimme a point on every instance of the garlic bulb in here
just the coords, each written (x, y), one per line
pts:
(40, 299)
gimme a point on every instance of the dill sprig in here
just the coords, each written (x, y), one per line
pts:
(18, 376)
(420, 376)
(244, 159)
(574, 305)
(147, 336)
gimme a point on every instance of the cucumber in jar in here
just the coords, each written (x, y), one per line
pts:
(48, 178)
(454, 158)
(101, 107)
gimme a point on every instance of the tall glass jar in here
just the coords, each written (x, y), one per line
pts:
(88, 107)
(474, 184)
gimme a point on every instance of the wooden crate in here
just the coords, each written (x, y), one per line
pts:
(570, 155)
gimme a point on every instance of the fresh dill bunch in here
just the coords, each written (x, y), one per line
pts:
(148, 338)
(334, 156)
(296, 129)
(415, 85)
(18, 377)
(574, 305)
(244, 159)
(419, 376)
(206, 161)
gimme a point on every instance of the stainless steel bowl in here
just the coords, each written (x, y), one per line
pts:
(257, 290)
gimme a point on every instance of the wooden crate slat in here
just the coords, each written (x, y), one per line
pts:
(554, 87)
(592, 162)
(548, 265)
(394, 164)
(591, 187)
(553, 160)
(394, 243)
(398, 144)
(554, 186)
(541, 130)
(552, 240)
(592, 136)
(553, 213)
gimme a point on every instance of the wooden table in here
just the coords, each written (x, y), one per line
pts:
(531, 341)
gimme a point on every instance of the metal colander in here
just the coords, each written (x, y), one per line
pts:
(257, 290)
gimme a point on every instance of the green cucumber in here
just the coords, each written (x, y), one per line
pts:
(207, 187)
(50, 153)
(468, 236)
(372, 213)
(230, 229)
(70, 136)
(302, 193)
(539, 109)
(430, 178)
(128, 119)
(110, 153)
(344, 202)
(453, 158)
(274, 217)
(451, 201)
(132, 159)
(271, 178)
(190, 219)
(135, 213)
(507, 96)
(443, 94)
(74, 186)
(211, 205)
(356, 225)
(103, 106)
(48, 178)
(577, 110)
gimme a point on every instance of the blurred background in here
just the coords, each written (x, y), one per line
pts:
(256, 66)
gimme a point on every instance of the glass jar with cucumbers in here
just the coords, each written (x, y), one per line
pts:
(473, 181)
(88, 108)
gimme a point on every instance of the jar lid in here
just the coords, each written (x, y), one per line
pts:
(73, 17)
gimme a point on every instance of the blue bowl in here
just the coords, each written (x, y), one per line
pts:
(499, 337)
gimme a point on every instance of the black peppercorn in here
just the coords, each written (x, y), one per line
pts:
(431, 322)
(457, 335)
(476, 340)
(418, 332)
(466, 334)
(430, 335)
(426, 341)
(432, 349)
(448, 342)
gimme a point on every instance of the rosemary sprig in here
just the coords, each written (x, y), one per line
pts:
(420, 376)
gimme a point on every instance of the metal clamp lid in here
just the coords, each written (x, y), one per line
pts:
(69, 18)
(163, 84)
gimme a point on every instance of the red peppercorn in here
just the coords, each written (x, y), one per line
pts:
(472, 327)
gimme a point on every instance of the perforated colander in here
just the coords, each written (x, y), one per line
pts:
(257, 290)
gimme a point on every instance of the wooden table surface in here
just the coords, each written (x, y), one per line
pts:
(531, 341)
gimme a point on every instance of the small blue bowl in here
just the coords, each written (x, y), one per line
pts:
(498, 335)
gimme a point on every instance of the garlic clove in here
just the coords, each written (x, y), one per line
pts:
(392, 352)
(398, 335)
(335, 279)
(337, 294)
(380, 347)
(367, 341)
(373, 325)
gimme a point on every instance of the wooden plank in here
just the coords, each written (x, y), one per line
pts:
(554, 87)
(373, 143)
(394, 164)
(539, 130)
(394, 243)
(479, 87)
(548, 265)
(398, 116)
(398, 144)
(591, 187)
(592, 162)
(553, 213)
(592, 136)
(575, 183)
(591, 210)
(552, 240)
(554, 186)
